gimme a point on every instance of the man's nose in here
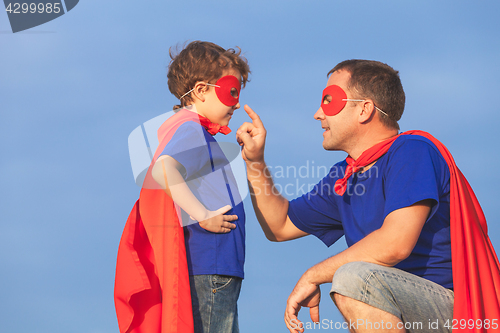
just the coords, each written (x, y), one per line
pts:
(319, 115)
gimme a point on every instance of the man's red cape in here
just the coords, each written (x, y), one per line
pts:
(476, 270)
(152, 292)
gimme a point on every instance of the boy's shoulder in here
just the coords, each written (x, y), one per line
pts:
(183, 126)
(187, 136)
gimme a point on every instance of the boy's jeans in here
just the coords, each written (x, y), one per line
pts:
(214, 299)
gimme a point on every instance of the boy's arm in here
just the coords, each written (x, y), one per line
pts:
(270, 207)
(166, 172)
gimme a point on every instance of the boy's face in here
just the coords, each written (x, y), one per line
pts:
(213, 108)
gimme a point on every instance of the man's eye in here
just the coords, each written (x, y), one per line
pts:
(234, 92)
(327, 99)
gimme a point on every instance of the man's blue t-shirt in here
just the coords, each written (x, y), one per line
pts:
(412, 170)
(209, 177)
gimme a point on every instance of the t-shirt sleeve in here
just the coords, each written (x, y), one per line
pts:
(317, 213)
(189, 147)
(416, 171)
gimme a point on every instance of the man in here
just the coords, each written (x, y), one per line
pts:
(390, 198)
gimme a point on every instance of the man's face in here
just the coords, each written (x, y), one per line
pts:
(338, 129)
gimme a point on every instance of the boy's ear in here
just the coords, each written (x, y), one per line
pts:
(199, 90)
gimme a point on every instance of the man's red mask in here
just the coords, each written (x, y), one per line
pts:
(337, 98)
(334, 100)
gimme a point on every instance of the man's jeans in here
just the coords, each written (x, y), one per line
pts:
(214, 299)
(422, 305)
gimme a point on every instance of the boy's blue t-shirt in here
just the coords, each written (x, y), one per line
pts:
(412, 170)
(208, 175)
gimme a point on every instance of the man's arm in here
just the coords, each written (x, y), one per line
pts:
(270, 207)
(387, 246)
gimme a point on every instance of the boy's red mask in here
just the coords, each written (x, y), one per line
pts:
(228, 89)
(338, 100)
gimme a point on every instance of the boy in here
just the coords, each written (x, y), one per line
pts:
(190, 167)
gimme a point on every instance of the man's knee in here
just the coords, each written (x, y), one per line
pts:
(350, 284)
(351, 276)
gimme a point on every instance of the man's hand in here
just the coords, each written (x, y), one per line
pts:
(252, 138)
(217, 222)
(304, 294)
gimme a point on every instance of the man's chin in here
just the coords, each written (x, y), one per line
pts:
(329, 147)
(326, 147)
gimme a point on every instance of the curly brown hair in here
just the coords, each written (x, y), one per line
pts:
(379, 82)
(202, 61)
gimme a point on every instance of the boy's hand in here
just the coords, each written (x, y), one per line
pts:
(218, 222)
(252, 138)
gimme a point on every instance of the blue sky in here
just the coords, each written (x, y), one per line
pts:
(73, 89)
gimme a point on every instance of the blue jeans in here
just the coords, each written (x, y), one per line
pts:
(214, 299)
(422, 305)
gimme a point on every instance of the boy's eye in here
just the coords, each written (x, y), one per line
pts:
(327, 99)
(234, 93)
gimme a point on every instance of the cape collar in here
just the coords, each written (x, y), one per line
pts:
(367, 157)
(213, 128)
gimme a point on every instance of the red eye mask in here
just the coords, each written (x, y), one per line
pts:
(338, 99)
(228, 89)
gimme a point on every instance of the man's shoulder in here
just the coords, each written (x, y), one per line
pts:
(408, 144)
(413, 152)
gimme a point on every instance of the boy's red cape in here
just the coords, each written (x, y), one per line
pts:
(152, 292)
(476, 270)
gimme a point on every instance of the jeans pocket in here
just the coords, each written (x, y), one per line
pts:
(221, 282)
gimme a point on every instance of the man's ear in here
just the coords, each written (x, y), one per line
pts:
(367, 111)
(199, 90)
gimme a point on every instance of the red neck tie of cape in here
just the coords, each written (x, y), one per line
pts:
(367, 157)
(213, 128)
(476, 269)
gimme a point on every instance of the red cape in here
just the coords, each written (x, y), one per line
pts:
(152, 292)
(476, 270)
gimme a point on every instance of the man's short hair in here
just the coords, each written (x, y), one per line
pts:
(378, 82)
(202, 61)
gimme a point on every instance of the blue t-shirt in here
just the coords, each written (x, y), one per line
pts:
(208, 175)
(412, 170)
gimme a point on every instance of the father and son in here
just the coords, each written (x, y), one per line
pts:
(418, 249)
